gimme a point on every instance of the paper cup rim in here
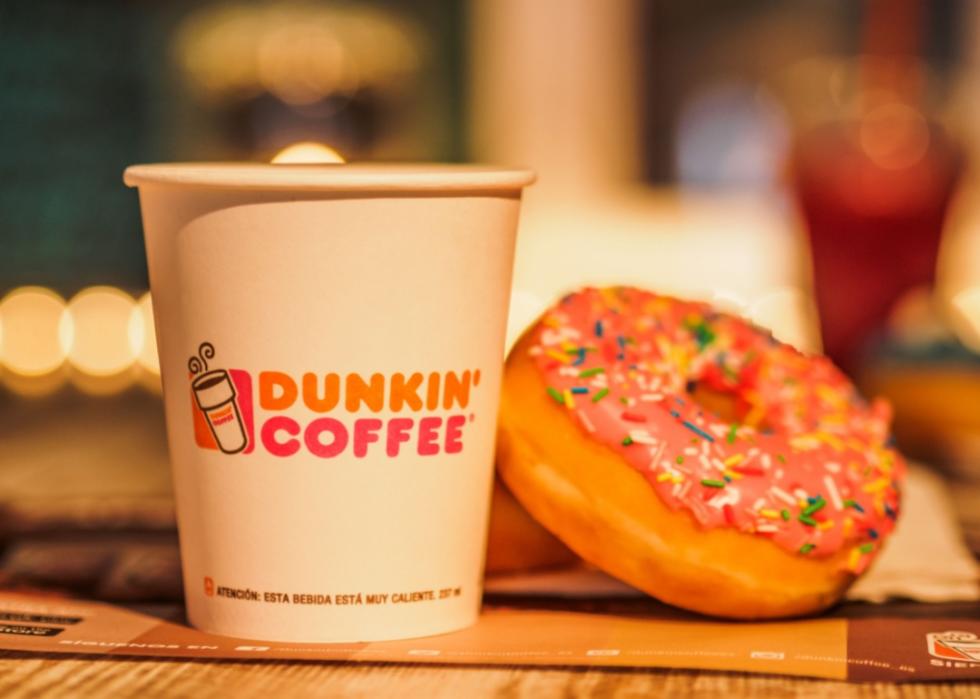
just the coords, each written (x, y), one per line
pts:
(339, 177)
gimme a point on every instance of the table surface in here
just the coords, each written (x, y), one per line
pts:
(27, 675)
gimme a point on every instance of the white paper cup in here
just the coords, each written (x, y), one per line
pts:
(331, 341)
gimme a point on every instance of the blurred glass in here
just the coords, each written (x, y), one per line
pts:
(874, 184)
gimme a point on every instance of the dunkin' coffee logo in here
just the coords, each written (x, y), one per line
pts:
(328, 414)
(954, 648)
(219, 395)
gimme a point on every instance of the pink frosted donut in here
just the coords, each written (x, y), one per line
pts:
(671, 444)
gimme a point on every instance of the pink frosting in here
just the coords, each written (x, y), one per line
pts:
(807, 464)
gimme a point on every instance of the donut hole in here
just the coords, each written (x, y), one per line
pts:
(728, 406)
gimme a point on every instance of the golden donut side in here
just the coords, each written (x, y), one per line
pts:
(516, 542)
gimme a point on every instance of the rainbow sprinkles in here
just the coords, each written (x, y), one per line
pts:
(807, 462)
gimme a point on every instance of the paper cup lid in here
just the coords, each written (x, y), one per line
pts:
(339, 177)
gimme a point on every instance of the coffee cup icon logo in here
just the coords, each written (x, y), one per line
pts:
(216, 396)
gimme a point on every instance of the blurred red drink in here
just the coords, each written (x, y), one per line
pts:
(874, 193)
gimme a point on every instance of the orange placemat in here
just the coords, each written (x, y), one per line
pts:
(895, 649)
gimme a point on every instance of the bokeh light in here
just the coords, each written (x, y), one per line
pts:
(307, 152)
(964, 309)
(99, 341)
(299, 52)
(894, 135)
(142, 335)
(728, 301)
(791, 316)
(33, 319)
(303, 63)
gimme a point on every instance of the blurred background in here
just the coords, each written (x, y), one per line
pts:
(805, 163)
